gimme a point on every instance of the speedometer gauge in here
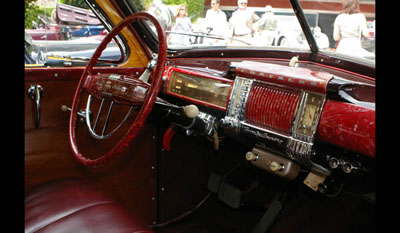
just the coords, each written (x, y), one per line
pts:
(210, 91)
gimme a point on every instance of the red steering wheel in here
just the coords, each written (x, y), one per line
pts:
(134, 85)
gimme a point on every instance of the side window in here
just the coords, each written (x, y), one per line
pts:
(64, 33)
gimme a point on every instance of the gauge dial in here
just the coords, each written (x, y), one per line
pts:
(308, 116)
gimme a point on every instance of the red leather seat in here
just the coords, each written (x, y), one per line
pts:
(76, 206)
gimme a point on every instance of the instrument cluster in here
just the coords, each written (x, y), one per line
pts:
(207, 90)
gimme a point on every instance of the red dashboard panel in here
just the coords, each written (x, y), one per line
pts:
(348, 126)
(295, 77)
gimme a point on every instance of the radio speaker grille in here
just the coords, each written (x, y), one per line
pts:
(271, 107)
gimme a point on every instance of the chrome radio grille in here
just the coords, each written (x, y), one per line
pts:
(271, 107)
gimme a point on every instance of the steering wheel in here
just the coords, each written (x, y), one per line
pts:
(135, 91)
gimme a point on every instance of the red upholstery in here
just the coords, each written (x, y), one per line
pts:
(76, 206)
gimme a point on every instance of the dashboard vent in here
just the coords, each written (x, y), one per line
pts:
(271, 107)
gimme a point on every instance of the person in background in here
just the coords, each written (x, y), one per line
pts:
(216, 22)
(267, 27)
(183, 25)
(321, 38)
(348, 28)
(242, 21)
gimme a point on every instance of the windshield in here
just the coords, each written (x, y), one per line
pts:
(344, 28)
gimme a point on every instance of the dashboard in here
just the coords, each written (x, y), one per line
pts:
(278, 106)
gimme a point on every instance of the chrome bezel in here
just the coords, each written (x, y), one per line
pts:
(300, 114)
(241, 89)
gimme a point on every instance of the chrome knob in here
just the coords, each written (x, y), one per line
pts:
(347, 167)
(334, 162)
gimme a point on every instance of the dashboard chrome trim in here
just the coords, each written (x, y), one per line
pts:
(297, 145)
(209, 122)
(263, 133)
(240, 92)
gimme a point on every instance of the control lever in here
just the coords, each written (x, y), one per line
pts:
(190, 111)
(81, 113)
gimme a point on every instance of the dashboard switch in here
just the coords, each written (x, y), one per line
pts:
(273, 163)
(274, 166)
(250, 156)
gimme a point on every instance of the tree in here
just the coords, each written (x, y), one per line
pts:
(195, 7)
(77, 3)
(31, 12)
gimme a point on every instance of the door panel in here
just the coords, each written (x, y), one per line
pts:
(130, 179)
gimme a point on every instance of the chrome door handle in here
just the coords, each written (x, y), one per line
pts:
(35, 93)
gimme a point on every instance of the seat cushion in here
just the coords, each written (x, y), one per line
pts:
(76, 206)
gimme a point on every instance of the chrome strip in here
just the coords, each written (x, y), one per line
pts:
(88, 123)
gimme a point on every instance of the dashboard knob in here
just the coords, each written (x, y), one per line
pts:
(191, 111)
(250, 156)
(274, 166)
(64, 108)
(334, 162)
(347, 168)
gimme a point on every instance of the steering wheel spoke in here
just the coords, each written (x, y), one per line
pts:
(93, 126)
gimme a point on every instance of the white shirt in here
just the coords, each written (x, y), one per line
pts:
(350, 26)
(217, 21)
(242, 21)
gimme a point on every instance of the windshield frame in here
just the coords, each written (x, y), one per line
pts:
(298, 11)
